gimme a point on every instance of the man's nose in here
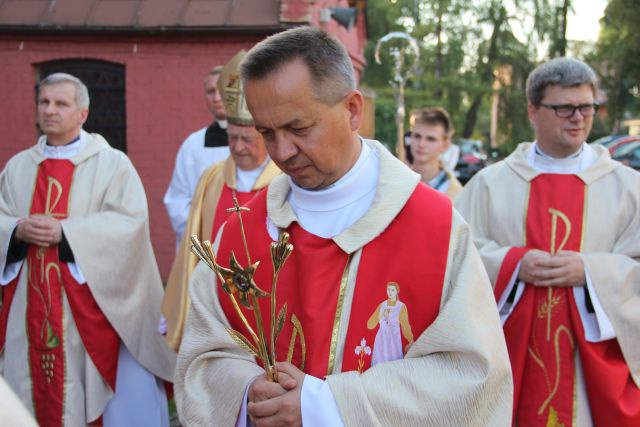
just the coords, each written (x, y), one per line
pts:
(283, 148)
(577, 114)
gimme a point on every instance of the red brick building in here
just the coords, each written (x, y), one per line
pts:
(144, 63)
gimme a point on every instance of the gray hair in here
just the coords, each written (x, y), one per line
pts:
(564, 72)
(326, 58)
(82, 94)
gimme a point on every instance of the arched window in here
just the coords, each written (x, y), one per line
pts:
(106, 84)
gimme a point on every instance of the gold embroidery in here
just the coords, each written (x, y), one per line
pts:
(297, 330)
(52, 340)
(545, 311)
(526, 213)
(46, 302)
(556, 347)
(555, 214)
(50, 207)
(338, 316)
(584, 217)
(48, 364)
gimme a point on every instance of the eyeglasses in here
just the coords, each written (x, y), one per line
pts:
(565, 111)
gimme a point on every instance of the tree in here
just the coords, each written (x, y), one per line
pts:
(617, 58)
(463, 43)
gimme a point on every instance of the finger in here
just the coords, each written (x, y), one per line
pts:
(291, 370)
(44, 225)
(557, 282)
(263, 390)
(42, 236)
(551, 273)
(555, 261)
(277, 420)
(286, 381)
(265, 408)
(562, 254)
(36, 237)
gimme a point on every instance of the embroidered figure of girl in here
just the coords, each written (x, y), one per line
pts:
(393, 317)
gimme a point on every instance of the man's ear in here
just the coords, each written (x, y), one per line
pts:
(84, 114)
(354, 102)
(531, 112)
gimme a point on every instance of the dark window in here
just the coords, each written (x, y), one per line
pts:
(106, 84)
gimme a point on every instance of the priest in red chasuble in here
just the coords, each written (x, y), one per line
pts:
(244, 173)
(359, 220)
(80, 286)
(558, 227)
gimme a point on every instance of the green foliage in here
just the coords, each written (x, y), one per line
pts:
(463, 44)
(385, 122)
(617, 58)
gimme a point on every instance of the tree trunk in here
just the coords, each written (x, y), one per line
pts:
(438, 71)
(485, 69)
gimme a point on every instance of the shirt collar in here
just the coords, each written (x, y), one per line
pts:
(66, 151)
(574, 163)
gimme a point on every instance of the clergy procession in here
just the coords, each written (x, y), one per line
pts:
(318, 279)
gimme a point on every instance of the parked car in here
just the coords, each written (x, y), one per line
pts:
(617, 144)
(472, 159)
(629, 154)
(607, 140)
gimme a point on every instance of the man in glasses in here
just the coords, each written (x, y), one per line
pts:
(558, 228)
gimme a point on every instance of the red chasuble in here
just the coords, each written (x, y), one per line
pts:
(411, 253)
(226, 201)
(545, 329)
(49, 280)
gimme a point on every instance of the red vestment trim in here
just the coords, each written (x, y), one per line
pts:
(545, 328)
(411, 252)
(7, 292)
(509, 264)
(310, 279)
(226, 201)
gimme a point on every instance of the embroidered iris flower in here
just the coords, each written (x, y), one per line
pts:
(363, 348)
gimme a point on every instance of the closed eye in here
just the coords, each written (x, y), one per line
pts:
(300, 130)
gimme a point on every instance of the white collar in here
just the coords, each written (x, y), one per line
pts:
(575, 163)
(66, 151)
(245, 180)
(330, 211)
(352, 186)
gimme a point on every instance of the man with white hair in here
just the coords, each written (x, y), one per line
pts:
(80, 286)
(242, 175)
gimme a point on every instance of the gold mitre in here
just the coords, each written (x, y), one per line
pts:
(232, 94)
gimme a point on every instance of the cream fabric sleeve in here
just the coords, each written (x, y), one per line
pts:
(212, 371)
(12, 411)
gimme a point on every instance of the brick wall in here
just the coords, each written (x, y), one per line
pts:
(164, 97)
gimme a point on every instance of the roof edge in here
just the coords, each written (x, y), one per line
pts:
(97, 30)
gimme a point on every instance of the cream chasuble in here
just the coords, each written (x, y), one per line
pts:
(106, 226)
(455, 372)
(497, 203)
